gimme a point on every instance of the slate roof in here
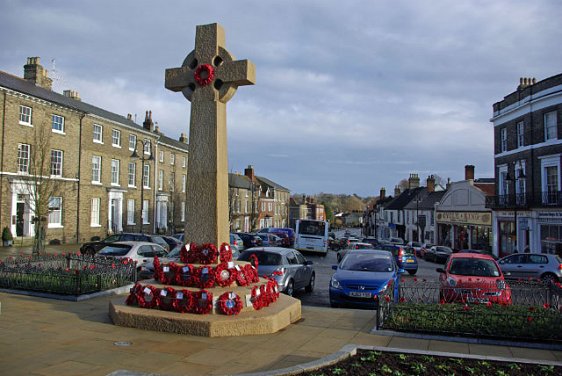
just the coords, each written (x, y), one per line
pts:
(239, 181)
(431, 199)
(272, 183)
(172, 142)
(401, 201)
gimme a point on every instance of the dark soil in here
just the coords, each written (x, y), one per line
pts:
(371, 363)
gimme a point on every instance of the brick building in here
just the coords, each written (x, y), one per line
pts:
(107, 169)
(527, 206)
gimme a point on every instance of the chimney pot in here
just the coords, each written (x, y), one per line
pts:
(469, 172)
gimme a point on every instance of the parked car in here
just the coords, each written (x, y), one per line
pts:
(438, 253)
(288, 266)
(473, 278)
(362, 275)
(92, 248)
(172, 242)
(405, 258)
(237, 245)
(477, 251)
(284, 240)
(532, 265)
(341, 254)
(147, 269)
(287, 230)
(180, 236)
(424, 249)
(250, 239)
(397, 241)
(270, 240)
(417, 246)
(140, 252)
(370, 239)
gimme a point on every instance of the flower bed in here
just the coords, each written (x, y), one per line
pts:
(69, 274)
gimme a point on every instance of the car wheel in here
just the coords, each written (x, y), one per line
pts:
(412, 272)
(310, 286)
(290, 290)
(549, 278)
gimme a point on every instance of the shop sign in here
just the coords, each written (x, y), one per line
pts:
(471, 218)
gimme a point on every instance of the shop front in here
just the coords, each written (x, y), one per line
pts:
(550, 228)
(465, 230)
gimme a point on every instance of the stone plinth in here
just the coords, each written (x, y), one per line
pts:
(282, 313)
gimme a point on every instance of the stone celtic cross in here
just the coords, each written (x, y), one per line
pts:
(208, 78)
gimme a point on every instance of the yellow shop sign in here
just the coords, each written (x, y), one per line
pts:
(471, 218)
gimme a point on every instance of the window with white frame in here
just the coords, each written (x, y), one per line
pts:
(98, 134)
(55, 212)
(550, 179)
(520, 183)
(25, 115)
(183, 183)
(504, 186)
(172, 181)
(246, 206)
(116, 138)
(57, 123)
(132, 141)
(145, 212)
(503, 139)
(96, 169)
(95, 212)
(161, 156)
(23, 158)
(56, 162)
(160, 180)
(172, 159)
(182, 214)
(146, 176)
(146, 146)
(132, 174)
(550, 128)
(184, 162)
(130, 211)
(520, 134)
(114, 172)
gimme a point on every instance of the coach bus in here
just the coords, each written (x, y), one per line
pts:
(312, 236)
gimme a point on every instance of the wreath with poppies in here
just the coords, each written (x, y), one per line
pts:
(184, 301)
(203, 302)
(157, 271)
(254, 260)
(204, 74)
(208, 254)
(241, 276)
(225, 274)
(256, 298)
(230, 303)
(185, 275)
(184, 253)
(205, 277)
(251, 274)
(165, 299)
(273, 288)
(225, 253)
(134, 293)
(148, 296)
(168, 273)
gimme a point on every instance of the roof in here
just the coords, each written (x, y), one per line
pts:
(272, 183)
(172, 142)
(401, 201)
(239, 181)
(431, 199)
(488, 186)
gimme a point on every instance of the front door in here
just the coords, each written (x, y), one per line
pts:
(20, 223)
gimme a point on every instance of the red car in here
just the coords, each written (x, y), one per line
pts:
(473, 278)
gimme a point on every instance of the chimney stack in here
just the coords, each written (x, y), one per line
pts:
(249, 172)
(129, 116)
(397, 191)
(382, 194)
(183, 138)
(148, 124)
(448, 183)
(33, 71)
(525, 82)
(430, 184)
(413, 181)
(73, 94)
(469, 172)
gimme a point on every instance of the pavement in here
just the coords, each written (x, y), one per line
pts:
(53, 337)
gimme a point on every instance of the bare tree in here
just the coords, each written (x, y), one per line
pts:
(38, 185)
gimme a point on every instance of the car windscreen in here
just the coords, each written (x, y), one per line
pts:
(115, 250)
(264, 258)
(366, 262)
(474, 267)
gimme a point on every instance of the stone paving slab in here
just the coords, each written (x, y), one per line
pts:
(52, 337)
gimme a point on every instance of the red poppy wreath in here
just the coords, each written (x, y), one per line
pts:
(165, 299)
(225, 274)
(203, 302)
(230, 303)
(148, 297)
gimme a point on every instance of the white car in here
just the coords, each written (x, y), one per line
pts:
(140, 252)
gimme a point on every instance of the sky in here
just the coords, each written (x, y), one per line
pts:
(350, 96)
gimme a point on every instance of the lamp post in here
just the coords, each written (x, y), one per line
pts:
(516, 199)
(145, 144)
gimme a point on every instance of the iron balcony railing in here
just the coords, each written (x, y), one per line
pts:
(525, 200)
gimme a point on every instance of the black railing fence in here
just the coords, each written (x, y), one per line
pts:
(534, 311)
(65, 274)
(525, 200)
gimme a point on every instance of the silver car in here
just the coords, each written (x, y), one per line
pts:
(140, 252)
(532, 265)
(288, 266)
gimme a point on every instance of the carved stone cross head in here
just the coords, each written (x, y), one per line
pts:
(209, 72)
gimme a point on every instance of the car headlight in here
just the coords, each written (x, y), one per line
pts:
(452, 282)
(335, 283)
(500, 284)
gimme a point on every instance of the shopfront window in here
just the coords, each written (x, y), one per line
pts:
(551, 239)
(506, 238)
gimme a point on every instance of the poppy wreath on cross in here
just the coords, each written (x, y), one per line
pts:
(273, 288)
(241, 276)
(230, 303)
(203, 302)
(165, 299)
(205, 277)
(185, 276)
(135, 292)
(184, 253)
(251, 274)
(225, 274)
(254, 260)
(204, 74)
(202, 254)
(157, 270)
(148, 297)
(168, 273)
(184, 301)
(256, 298)
(225, 253)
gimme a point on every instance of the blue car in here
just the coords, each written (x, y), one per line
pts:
(362, 277)
(405, 257)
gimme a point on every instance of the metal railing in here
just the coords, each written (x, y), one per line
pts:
(525, 200)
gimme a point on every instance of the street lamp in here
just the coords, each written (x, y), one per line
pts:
(145, 144)
(516, 199)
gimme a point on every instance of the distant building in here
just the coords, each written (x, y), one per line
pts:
(527, 205)
(305, 207)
